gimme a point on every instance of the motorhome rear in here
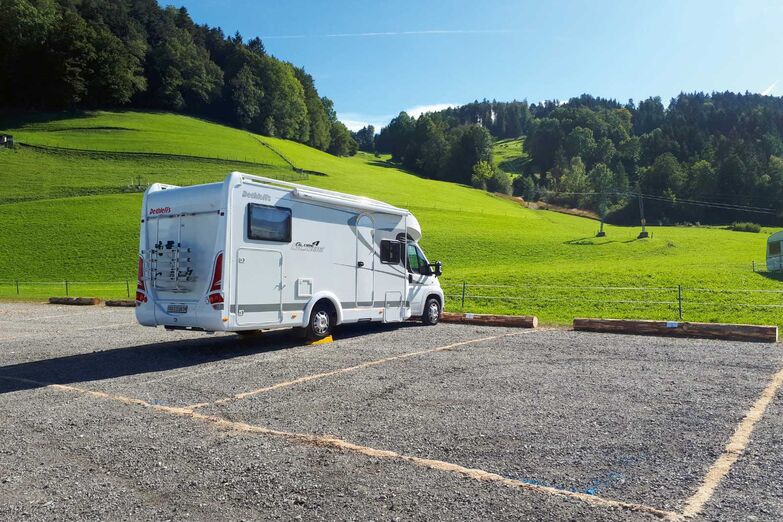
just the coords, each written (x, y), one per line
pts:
(255, 253)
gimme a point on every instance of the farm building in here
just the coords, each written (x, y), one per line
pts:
(775, 252)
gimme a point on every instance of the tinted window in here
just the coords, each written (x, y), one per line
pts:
(391, 252)
(416, 261)
(268, 223)
(774, 248)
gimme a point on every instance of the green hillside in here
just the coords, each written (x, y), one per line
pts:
(509, 156)
(73, 215)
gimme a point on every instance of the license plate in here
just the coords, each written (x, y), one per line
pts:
(177, 309)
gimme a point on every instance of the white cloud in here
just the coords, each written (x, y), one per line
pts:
(387, 33)
(356, 120)
(418, 110)
(768, 90)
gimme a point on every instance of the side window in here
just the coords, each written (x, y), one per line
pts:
(413, 259)
(391, 252)
(774, 248)
(267, 223)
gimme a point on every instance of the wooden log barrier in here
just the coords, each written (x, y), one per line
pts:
(517, 321)
(79, 301)
(121, 302)
(728, 332)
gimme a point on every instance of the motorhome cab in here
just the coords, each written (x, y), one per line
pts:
(255, 253)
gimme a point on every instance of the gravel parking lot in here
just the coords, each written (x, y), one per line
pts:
(104, 419)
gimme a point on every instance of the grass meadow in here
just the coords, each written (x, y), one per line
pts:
(73, 215)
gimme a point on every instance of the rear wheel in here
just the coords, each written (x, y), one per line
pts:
(431, 314)
(321, 323)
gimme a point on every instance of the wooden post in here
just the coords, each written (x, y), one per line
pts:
(679, 299)
(464, 284)
(127, 287)
(66, 287)
(754, 267)
(17, 287)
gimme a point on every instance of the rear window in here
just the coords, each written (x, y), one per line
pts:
(265, 223)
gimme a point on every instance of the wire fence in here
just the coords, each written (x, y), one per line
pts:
(550, 301)
(655, 302)
(68, 288)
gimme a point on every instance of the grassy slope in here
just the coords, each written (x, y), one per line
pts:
(509, 156)
(480, 238)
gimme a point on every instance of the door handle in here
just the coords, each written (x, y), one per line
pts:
(360, 264)
(410, 278)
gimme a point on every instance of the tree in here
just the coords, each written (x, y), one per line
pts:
(341, 142)
(580, 142)
(365, 138)
(525, 187)
(664, 177)
(500, 182)
(482, 172)
(469, 145)
(246, 96)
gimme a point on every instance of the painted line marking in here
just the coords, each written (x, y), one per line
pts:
(327, 441)
(733, 450)
(340, 371)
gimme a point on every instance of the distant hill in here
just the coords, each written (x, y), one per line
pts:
(137, 54)
(69, 210)
(709, 158)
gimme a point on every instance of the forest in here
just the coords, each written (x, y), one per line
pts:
(75, 55)
(702, 157)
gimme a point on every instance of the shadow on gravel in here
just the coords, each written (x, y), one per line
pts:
(159, 357)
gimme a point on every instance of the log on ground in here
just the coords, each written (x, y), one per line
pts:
(518, 321)
(121, 302)
(728, 332)
(79, 301)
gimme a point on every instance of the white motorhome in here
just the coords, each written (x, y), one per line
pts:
(254, 253)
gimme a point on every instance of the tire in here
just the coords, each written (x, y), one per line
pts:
(431, 314)
(321, 324)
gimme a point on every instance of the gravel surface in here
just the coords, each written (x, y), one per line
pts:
(635, 419)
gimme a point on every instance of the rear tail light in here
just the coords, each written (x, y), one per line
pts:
(215, 296)
(141, 296)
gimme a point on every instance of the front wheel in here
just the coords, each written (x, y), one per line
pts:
(321, 323)
(431, 314)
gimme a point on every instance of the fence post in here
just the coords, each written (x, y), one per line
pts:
(127, 286)
(679, 299)
(17, 287)
(754, 266)
(464, 285)
(66, 288)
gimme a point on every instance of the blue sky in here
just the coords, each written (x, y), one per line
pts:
(374, 59)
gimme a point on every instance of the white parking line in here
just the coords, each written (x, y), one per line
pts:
(734, 449)
(368, 364)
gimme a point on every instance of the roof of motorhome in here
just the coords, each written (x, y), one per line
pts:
(777, 236)
(328, 196)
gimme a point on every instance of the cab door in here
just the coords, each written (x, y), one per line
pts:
(419, 277)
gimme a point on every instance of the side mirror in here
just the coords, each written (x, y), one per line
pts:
(438, 268)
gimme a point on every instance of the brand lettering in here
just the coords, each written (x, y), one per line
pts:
(256, 195)
(160, 210)
(315, 246)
